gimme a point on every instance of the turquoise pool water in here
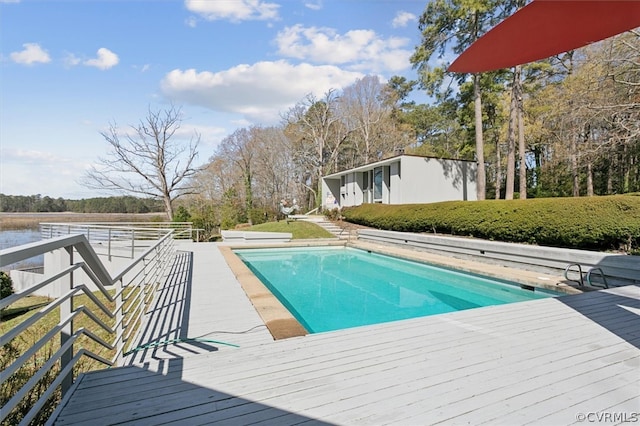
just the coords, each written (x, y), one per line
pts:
(337, 287)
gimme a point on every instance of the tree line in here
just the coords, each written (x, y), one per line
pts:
(565, 126)
(255, 169)
(45, 204)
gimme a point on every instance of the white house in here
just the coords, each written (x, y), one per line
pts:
(403, 179)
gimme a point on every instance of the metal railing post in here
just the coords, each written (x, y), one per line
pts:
(133, 244)
(119, 321)
(66, 308)
(109, 246)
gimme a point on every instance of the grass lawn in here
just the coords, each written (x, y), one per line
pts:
(30, 305)
(299, 229)
(22, 306)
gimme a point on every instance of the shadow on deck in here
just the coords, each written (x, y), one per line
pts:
(538, 362)
(139, 396)
(165, 335)
(153, 389)
(620, 316)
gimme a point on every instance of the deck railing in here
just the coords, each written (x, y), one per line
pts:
(121, 239)
(129, 291)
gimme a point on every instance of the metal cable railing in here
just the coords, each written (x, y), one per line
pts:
(122, 239)
(125, 298)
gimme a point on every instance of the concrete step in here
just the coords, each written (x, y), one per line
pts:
(336, 230)
(307, 218)
(329, 226)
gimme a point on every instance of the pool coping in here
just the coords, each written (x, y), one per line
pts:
(282, 324)
(554, 283)
(279, 321)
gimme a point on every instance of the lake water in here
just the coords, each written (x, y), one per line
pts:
(17, 237)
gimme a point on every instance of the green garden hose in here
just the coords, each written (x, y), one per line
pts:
(173, 341)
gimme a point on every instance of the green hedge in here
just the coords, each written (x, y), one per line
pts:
(6, 285)
(594, 223)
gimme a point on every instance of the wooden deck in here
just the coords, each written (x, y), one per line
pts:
(201, 304)
(540, 362)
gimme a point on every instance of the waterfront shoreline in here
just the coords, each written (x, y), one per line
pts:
(31, 220)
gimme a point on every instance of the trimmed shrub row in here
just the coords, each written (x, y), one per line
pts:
(592, 223)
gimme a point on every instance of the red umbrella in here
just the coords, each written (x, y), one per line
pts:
(545, 28)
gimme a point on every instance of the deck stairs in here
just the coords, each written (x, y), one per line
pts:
(339, 232)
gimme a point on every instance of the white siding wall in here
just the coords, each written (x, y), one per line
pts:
(349, 188)
(429, 180)
(407, 180)
(357, 196)
(395, 183)
(330, 193)
(386, 185)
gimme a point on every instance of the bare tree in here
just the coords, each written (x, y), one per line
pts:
(364, 111)
(318, 132)
(275, 172)
(152, 161)
(214, 180)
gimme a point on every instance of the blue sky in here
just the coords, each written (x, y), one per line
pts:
(70, 68)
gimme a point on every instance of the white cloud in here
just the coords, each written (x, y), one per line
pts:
(317, 5)
(191, 22)
(233, 10)
(36, 172)
(71, 60)
(106, 59)
(360, 50)
(260, 92)
(31, 54)
(142, 68)
(403, 18)
(30, 156)
(210, 136)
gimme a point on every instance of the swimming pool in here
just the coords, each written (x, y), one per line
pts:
(331, 288)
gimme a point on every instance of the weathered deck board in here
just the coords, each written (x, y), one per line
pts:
(538, 362)
(212, 308)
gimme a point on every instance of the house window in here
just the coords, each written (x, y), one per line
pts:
(377, 184)
(367, 196)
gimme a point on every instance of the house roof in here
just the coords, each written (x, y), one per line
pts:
(386, 162)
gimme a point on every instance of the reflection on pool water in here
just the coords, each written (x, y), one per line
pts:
(331, 288)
